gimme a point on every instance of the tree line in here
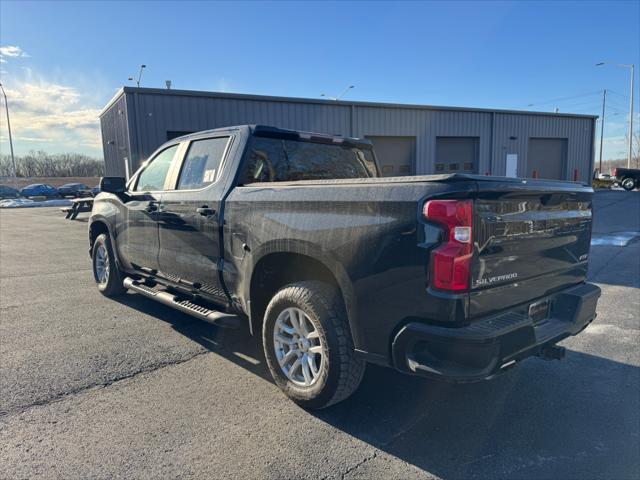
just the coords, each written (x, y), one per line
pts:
(43, 164)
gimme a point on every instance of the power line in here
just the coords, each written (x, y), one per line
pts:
(618, 109)
(590, 102)
(559, 99)
(619, 94)
(620, 101)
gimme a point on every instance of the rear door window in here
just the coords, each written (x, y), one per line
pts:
(282, 160)
(153, 176)
(202, 163)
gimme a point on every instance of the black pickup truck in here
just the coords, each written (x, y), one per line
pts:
(455, 277)
(627, 178)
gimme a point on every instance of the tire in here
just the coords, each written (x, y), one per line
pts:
(628, 184)
(103, 259)
(338, 370)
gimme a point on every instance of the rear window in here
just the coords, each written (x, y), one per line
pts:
(282, 160)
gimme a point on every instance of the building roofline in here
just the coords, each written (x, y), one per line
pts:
(347, 103)
(113, 100)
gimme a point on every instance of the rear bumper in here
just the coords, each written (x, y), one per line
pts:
(490, 346)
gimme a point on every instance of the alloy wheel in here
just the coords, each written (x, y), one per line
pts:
(298, 347)
(102, 265)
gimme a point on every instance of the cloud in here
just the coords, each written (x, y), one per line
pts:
(11, 51)
(52, 113)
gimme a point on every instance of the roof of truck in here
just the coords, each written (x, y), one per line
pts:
(275, 132)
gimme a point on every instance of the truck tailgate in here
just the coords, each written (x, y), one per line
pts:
(531, 239)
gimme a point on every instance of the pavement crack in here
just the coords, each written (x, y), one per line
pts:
(80, 390)
(359, 464)
(382, 446)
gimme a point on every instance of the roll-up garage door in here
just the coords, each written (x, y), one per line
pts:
(548, 157)
(396, 155)
(457, 154)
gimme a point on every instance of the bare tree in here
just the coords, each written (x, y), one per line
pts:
(42, 164)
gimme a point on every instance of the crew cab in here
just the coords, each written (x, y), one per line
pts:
(296, 235)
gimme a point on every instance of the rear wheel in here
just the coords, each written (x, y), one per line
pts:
(308, 345)
(106, 273)
(628, 184)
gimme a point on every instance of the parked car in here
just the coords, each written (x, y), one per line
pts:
(74, 190)
(628, 178)
(39, 190)
(8, 192)
(95, 190)
(456, 277)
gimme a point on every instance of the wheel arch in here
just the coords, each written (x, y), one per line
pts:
(298, 262)
(97, 226)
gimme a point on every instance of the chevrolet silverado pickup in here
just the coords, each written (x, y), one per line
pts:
(296, 235)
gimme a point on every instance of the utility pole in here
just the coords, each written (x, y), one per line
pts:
(13, 160)
(604, 101)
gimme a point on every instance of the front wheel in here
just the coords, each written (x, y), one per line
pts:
(106, 273)
(628, 184)
(308, 345)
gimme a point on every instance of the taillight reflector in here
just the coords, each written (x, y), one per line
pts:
(451, 261)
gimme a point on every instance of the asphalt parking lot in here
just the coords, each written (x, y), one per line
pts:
(97, 388)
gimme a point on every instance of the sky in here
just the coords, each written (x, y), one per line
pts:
(61, 62)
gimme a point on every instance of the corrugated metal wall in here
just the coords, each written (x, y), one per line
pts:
(115, 138)
(152, 113)
(159, 114)
(512, 134)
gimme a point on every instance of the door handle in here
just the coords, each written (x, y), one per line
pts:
(151, 207)
(205, 211)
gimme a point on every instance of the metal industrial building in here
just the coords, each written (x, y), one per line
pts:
(409, 139)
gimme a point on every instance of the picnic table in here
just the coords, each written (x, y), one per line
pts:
(79, 205)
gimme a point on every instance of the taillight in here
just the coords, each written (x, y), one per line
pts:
(615, 172)
(451, 261)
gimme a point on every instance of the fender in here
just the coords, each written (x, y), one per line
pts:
(105, 213)
(307, 249)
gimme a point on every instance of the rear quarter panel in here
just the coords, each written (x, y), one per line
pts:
(366, 232)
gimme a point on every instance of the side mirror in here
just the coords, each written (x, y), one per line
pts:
(113, 184)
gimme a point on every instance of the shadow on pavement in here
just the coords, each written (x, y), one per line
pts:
(615, 265)
(578, 418)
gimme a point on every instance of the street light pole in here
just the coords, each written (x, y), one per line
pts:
(13, 159)
(140, 74)
(335, 99)
(632, 67)
(131, 79)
